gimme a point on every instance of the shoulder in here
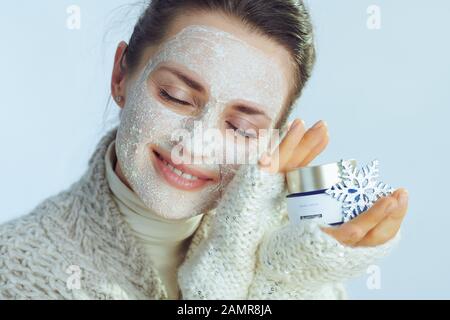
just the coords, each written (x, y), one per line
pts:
(32, 256)
(32, 226)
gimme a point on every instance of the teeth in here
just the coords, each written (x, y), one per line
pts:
(188, 176)
(179, 172)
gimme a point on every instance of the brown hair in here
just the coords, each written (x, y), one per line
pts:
(285, 21)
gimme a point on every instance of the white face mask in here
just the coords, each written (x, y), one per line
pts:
(232, 70)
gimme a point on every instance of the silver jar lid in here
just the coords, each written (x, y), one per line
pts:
(315, 177)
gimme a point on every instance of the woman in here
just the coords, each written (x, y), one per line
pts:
(139, 224)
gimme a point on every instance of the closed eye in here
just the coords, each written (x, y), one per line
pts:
(164, 95)
(240, 131)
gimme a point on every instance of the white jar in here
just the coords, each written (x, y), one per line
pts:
(307, 198)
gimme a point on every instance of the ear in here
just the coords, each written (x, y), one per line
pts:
(118, 74)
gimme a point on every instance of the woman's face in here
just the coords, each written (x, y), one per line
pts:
(203, 77)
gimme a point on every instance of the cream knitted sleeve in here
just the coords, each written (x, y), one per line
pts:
(223, 263)
(303, 262)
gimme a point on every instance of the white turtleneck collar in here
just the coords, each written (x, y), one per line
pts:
(165, 240)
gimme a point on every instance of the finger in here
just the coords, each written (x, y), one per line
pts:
(316, 151)
(355, 230)
(265, 162)
(284, 150)
(312, 143)
(389, 226)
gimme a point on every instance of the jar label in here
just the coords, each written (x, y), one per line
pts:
(319, 206)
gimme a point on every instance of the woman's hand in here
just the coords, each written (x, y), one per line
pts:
(298, 148)
(376, 226)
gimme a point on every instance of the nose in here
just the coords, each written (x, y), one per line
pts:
(204, 140)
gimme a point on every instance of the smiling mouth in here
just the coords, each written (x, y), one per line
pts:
(179, 175)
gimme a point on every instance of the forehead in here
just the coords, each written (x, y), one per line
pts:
(232, 69)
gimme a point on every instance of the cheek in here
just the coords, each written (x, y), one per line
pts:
(148, 120)
(239, 150)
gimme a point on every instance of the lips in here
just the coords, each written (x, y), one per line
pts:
(181, 176)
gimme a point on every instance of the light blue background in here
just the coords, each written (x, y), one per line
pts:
(384, 93)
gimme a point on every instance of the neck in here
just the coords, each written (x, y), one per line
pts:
(119, 173)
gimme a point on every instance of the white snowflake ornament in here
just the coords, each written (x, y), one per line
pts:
(358, 189)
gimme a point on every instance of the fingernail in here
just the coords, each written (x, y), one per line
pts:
(290, 124)
(295, 124)
(391, 207)
(403, 199)
(319, 124)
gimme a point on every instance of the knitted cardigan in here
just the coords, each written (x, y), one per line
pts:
(77, 245)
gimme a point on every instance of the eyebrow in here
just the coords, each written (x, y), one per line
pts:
(250, 110)
(186, 79)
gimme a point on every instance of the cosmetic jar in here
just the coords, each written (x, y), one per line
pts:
(306, 197)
